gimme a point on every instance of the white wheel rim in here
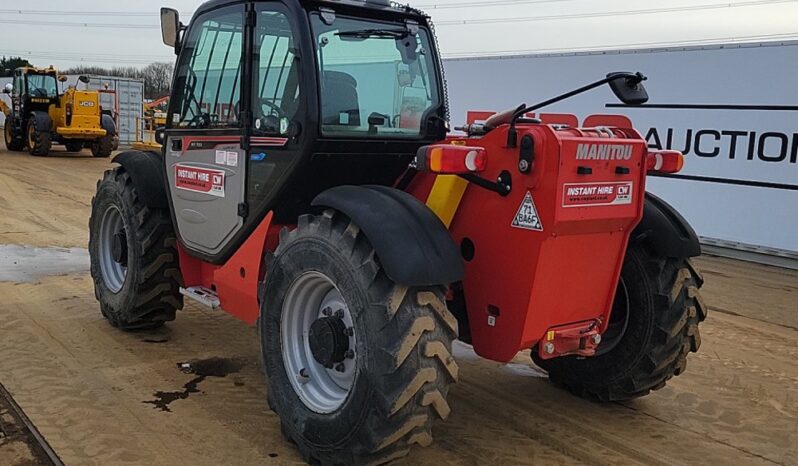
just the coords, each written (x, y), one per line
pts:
(321, 389)
(113, 272)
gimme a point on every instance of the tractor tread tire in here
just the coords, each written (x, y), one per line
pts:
(13, 144)
(103, 147)
(150, 295)
(40, 142)
(412, 365)
(671, 334)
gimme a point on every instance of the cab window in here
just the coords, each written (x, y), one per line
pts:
(276, 72)
(377, 78)
(210, 68)
(42, 85)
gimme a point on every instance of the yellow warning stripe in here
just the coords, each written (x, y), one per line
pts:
(445, 196)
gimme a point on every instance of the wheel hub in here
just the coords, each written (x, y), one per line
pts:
(328, 341)
(119, 248)
(318, 342)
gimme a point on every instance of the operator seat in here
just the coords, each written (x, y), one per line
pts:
(340, 97)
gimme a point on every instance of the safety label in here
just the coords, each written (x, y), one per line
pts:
(597, 194)
(527, 216)
(199, 180)
(229, 158)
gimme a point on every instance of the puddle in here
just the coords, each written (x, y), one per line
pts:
(203, 368)
(21, 264)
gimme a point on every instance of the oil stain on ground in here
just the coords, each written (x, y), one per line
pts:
(203, 368)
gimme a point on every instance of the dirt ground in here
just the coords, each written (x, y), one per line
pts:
(104, 397)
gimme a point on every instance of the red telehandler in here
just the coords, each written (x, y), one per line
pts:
(308, 184)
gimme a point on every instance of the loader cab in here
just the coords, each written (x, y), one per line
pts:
(39, 87)
(275, 101)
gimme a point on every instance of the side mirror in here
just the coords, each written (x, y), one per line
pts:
(7, 90)
(84, 79)
(62, 78)
(628, 88)
(170, 26)
(160, 135)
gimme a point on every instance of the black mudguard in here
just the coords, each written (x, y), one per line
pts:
(413, 245)
(108, 124)
(43, 120)
(665, 231)
(146, 169)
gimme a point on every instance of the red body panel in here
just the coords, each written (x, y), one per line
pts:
(236, 282)
(523, 282)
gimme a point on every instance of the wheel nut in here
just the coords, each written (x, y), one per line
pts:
(548, 348)
(327, 312)
(349, 354)
(339, 313)
(340, 368)
(596, 339)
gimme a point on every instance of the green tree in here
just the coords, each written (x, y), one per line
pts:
(8, 65)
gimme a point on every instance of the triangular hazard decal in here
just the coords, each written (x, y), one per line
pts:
(527, 216)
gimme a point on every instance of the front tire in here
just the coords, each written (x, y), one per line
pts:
(103, 146)
(134, 259)
(648, 342)
(13, 143)
(39, 142)
(391, 349)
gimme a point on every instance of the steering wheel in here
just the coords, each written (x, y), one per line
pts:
(200, 120)
(272, 106)
(39, 92)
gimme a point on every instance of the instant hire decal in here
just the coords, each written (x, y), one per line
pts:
(527, 216)
(200, 180)
(597, 194)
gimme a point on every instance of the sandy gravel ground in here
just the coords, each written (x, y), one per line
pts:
(103, 397)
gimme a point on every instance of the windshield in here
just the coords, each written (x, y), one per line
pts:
(377, 79)
(42, 85)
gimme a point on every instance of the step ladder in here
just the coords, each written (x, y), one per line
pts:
(202, 295)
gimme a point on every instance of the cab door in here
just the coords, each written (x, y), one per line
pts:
(205, 146)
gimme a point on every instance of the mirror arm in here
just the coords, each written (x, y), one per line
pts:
(512, 135)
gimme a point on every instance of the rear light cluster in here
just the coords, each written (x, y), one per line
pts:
(68, 112)
(451, 159)
(664, 161)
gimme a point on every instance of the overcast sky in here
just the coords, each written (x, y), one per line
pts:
(57, 32)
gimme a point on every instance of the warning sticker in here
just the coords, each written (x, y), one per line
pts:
(527, 216)
(597, 194)
(199, 180)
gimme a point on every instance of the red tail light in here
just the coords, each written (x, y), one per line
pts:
(451, 159)
(664, 161)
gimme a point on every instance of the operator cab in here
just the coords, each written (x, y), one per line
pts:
(33, 88)
(284, 99)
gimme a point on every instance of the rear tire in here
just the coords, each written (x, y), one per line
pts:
(134, 259)
(401, 342)
(664, 311)
(39, 142)
(103, 147)
(74, 146)
(13, 143)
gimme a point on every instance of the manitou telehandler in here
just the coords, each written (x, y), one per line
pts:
(40, 115)
(307, 185)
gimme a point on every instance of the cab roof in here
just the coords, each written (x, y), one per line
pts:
(35, 70)
(380, 6)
